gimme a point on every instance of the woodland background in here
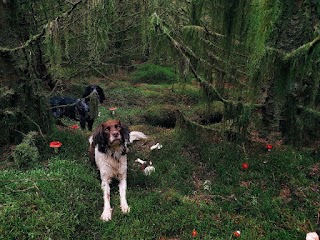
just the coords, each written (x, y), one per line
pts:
(259, 58)
(213, 81)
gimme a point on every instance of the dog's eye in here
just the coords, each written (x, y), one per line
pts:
(107, 129)
(118, 127)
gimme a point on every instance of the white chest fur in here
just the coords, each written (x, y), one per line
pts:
(112, 164)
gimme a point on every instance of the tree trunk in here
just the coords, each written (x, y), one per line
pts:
(24, 107)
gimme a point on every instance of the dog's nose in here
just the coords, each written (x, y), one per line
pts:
(115, 134)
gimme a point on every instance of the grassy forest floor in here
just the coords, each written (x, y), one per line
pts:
(198, 183)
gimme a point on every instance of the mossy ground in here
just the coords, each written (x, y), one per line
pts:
(277, 197)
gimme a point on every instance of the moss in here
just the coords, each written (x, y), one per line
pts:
(209, 113)
(26, 154)
(261, 21)
(161, 115)
(151, 73)
(309, 122)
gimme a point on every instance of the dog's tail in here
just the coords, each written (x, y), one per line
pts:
(135, 136)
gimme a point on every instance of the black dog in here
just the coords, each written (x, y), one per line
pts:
(93, 89)
(73, 108)
(84, 110)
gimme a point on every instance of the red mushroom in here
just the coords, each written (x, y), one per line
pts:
(75, 126)
(245, 166)
(113, 110)
(237, 234)
(194, 233)
(269, 147)
(55, 145)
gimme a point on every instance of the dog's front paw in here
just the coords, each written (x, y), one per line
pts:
(106, 215)
(125, 208)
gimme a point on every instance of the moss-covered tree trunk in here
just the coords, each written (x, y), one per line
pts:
(54, 41)
(262, 55)
(24, 107)
(290, 72)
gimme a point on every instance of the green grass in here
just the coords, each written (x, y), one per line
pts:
(151, 73)
(276, 198)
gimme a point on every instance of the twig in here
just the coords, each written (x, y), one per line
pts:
(97, 70)
(21, 132)
(32, 180)
(72, 104)
(55, 87)
(39, 128)
(244, 150)
(27, 43)
(20, 190)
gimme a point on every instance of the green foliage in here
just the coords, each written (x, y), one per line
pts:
(303, 127)
(275, 198)
(154, 74)
(261, 22)
(69, 139)
(98, 27)
(44, 204)
(26, 154)
(208, 113)
(272, 200)
(64, 199)
(161, 115)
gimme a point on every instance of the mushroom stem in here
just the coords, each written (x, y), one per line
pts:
(138, 160)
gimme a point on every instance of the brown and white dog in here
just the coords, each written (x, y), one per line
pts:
(108, 149)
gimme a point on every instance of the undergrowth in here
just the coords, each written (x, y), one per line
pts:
(198, 184)
(154, 74)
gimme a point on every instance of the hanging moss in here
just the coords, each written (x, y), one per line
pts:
(262, 17)
(308, 121)
(93, 105)
(24, 109)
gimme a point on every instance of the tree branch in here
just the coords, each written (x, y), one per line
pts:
(27, 43)
(302, 49)
(205, 84)
(39, 128)
(181, 49)
(307, 47)
(42, 31)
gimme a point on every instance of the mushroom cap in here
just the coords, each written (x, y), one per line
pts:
(269, 146)
(55, 144)
(245, 165)
(237, 233)
(74, 126)
(112, 108)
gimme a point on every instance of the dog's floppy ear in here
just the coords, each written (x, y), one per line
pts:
(100, 139)
(125, 133)
(102, 97)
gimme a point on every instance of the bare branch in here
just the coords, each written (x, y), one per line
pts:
(39, 128)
